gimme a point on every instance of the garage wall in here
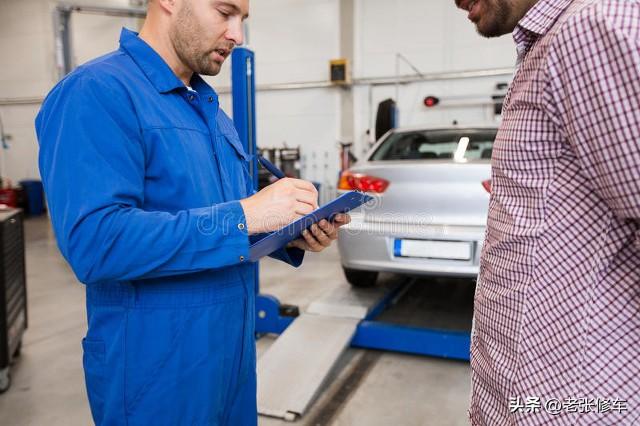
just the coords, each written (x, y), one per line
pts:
(293, 41)
(95, 35)
(28, 71)
(434, 37)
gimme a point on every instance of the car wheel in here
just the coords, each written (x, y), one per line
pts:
(360, 278)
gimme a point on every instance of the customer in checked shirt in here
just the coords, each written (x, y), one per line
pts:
(556, 339)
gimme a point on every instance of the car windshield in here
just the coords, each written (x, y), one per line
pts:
(456, 144)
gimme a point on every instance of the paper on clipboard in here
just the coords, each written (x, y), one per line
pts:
(278, 239)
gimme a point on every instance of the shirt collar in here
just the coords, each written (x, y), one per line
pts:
(201, 86)
(152, 64)
(538, 21)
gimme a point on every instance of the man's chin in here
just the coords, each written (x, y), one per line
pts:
(211, 69)
(491, 30)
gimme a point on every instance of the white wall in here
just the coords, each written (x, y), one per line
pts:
(95, 35)
(433, 35)
(293, 41)
(24, 65)
(436, 38)
(28, 70)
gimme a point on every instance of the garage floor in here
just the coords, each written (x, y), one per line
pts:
(368, 388)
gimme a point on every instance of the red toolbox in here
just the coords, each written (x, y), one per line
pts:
(9, 197)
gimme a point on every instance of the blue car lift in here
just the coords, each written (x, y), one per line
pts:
(273, 317)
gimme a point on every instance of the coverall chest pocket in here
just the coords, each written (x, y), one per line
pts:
(180, 170)
(236, 170)
(93, 361)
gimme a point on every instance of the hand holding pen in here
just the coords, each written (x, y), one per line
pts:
(284, 201)
(280, 203)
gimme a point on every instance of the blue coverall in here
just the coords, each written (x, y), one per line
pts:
(143, 178)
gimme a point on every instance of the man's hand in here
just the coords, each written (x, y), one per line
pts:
(320, 235)
(279, 204)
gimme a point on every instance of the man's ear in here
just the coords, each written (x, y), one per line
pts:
(168, 6)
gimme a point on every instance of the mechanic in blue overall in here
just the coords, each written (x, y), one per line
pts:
(152, 206)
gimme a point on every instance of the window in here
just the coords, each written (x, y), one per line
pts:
(454, 144)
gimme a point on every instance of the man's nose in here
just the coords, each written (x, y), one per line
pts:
(235, 32)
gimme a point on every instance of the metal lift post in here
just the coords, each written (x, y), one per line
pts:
(271, 315)
(310, 344)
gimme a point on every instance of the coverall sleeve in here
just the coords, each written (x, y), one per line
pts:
(599, 97)
(92, 164)
(292, 256)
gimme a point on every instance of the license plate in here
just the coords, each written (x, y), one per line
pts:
(433, 249)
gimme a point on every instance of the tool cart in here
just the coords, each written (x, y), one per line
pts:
(13, 291)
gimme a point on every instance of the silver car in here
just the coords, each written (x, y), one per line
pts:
(431, 188)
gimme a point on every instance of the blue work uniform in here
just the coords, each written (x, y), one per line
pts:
(143, 178)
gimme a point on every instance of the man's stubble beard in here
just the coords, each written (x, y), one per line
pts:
(185, 36)
(500, 14)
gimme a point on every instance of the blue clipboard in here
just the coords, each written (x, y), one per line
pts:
(273, 241)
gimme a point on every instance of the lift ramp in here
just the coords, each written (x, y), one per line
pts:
(292, 371)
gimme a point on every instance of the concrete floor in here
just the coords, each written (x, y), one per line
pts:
(367, 388)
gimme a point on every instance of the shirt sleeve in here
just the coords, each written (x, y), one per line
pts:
(92, 164)
(596, 63)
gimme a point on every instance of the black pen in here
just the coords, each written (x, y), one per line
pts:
(271, 167)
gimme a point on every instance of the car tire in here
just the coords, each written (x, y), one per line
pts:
(360, 279)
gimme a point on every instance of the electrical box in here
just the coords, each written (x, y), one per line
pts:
(339, 71)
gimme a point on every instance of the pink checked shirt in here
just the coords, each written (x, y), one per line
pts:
(556, 338)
